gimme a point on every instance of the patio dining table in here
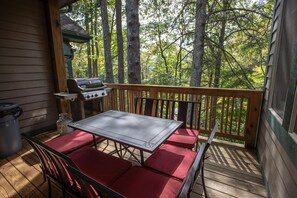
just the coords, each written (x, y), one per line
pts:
(145, 133)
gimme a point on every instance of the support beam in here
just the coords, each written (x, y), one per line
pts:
(57, 54)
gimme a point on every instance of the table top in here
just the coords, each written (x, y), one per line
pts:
(144, 132)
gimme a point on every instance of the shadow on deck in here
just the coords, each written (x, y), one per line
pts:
(230, 171)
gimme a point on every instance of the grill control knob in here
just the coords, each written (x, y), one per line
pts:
(88, 96)
(96, 95)
(103, 94)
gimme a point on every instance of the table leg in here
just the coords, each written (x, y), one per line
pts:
(141, 157)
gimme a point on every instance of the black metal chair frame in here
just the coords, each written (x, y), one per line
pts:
(88, 186)
(85, 182)
(54, 166)
(198, 165)
(165, 108)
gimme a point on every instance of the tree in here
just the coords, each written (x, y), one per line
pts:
(133, 50)
(218, 61)
(87, 21)
(107, 44)
(196, 69)
(121, 71)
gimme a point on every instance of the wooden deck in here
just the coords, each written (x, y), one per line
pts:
(230, 171)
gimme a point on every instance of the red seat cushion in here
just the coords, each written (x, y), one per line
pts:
(71, 141)
(172, 160)
(100, 166)
(186, 138)
(141, 182)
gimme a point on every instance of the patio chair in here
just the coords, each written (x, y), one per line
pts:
(72, 141)
(187, 111)
(102, 167)
(176, 161)
(147, 183)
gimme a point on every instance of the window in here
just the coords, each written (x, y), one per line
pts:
(284, 78)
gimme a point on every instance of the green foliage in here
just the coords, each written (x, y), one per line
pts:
(167, 35)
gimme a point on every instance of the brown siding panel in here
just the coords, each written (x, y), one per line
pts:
(26, 75)
(278, 168)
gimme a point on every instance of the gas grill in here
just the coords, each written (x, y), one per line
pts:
(85, 96)
(87, 89)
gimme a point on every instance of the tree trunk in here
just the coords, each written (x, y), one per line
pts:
(162, 52)
(134, 76)
(90, 71)
(93, 40)
(218, 61)
(121, 71)
(96, 55)
(196, 70)
(106, 39)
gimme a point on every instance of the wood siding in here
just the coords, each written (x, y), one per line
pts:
(26, 75)
(278, 168)
(277, 164)
(272, 52)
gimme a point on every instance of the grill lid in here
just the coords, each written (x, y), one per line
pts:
(77, 85)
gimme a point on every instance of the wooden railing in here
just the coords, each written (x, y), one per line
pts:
(237, 111)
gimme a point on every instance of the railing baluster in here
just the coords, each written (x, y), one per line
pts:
(231, 118)
(206, 112)
(239, 116)
(227, 115)
(222, 116)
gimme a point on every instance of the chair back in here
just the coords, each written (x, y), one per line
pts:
(198, 163)
(193, 173)
(53, 163)
(55, 167)
(186, 111)
(91, 188)
(211, 135)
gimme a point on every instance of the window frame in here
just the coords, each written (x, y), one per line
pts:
(293, 119)
(289, 118)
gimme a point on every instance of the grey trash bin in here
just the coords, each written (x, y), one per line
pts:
(10, 137)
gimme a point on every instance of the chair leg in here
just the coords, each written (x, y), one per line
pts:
(196, 146)
(64, 192)
(44, 176)
(49, 187)
(203, 182)
(94, 141)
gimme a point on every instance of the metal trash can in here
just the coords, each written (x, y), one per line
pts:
(10, 137)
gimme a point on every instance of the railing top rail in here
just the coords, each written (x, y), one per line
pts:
(170, 100)
(189, 90)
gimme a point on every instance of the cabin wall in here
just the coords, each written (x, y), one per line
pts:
(26, 75)
(277, 150)
(277, 166)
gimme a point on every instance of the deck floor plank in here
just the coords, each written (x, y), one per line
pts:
(19, 182)
(6, 190)
(230, 171)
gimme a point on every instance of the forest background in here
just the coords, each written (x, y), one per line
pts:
(231, 38)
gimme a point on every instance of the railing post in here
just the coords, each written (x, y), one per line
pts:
(253, 114)
(153, 93)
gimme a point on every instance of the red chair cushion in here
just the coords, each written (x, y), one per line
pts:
(141, 182)
(100, 166)
(186, 138)
(71, 141)
(171, 160)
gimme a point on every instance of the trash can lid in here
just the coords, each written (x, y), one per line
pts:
(4, 106)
